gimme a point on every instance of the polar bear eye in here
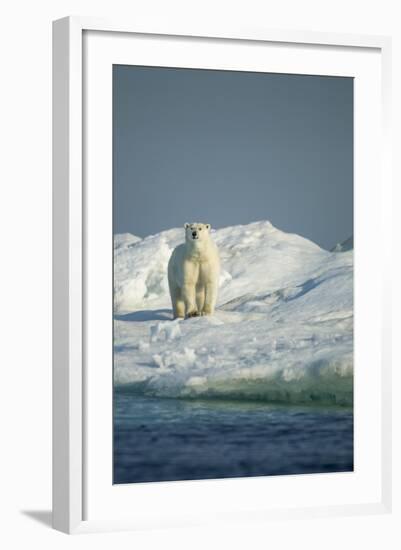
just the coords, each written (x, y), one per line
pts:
(199, 228)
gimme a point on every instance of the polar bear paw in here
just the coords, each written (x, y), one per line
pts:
(193, 313)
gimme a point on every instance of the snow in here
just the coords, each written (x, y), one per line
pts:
(346, 245)
(282, 332)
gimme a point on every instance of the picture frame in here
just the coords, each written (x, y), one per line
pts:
(80, 44)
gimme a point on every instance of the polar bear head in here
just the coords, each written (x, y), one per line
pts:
(196, 231)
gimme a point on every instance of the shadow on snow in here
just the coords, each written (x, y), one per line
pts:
(146, 315)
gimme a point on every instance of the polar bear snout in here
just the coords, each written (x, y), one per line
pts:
(195, 235)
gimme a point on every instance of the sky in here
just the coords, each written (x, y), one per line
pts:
(229, 147)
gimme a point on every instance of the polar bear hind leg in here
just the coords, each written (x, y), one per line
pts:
(177, 302)
(210, 299)
(179, 309)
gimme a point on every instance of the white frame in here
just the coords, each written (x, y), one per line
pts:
(69, 258)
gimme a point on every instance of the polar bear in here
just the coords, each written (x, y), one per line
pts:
(193, 273)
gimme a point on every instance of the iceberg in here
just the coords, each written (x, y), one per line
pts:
(282, 331)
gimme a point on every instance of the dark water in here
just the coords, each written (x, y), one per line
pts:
(166, 439)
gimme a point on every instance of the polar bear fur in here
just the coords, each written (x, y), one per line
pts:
(193, 273)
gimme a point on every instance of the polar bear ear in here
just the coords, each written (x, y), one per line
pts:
(208, 226)
(186, 225)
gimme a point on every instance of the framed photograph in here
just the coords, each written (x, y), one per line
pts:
(220, 304)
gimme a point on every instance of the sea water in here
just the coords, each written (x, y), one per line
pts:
(164, 439)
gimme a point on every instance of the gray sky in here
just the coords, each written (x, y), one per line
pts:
(229, 148)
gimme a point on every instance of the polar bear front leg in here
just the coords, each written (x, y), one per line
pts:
(189, 295)
(200, 298)
(210, 299)
(190, 272)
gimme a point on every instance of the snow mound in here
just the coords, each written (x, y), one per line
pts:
(255, 258)
(283, 330)
(140, 267)
(346, 245)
